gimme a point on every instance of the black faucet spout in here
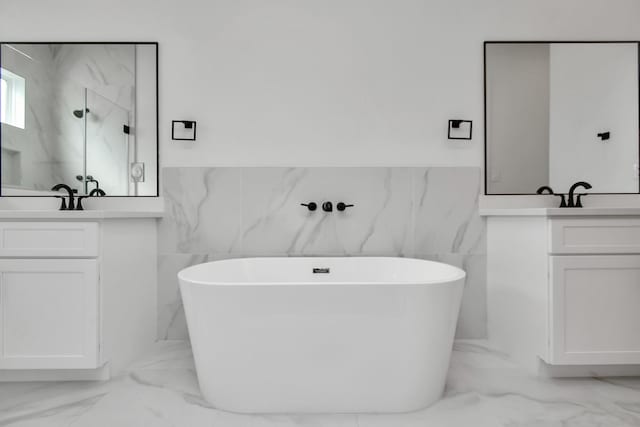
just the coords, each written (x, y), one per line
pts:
(577, 203)
(71, 205)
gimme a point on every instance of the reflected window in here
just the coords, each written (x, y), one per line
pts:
(12, 99)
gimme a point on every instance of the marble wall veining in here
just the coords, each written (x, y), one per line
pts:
(217, 213)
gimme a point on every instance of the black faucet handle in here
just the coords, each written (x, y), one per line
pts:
(79, 206)
(327, 207)
(563, 200)
(63, 203)
(342, 206)
(579, 200)
(312, 206)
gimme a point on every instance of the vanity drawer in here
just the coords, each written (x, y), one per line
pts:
(595, 236)
(49, 239)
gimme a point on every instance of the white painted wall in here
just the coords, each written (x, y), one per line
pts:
(320, 82)
(594, 89)
(517, 117)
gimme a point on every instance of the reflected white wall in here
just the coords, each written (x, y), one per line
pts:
(594, 89)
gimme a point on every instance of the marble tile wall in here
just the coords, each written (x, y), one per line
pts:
(217, 213)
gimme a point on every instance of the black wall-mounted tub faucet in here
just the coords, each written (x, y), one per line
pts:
(341, 206)
(327, 207)
(312, 206)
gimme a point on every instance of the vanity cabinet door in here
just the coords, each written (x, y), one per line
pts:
(595, 309)
(48, 314)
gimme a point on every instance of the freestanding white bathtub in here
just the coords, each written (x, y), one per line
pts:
(319, 335)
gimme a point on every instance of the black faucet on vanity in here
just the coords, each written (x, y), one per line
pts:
(573, 202)
(577, 203)
(75, 204)
(63, 205)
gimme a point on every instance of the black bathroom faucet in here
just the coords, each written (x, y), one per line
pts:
(63, 205)
(577, 203)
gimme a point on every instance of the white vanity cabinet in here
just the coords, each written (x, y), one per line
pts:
(564, 289)
(594, 309)
(50, 314)
(77, 297)
(49, 295)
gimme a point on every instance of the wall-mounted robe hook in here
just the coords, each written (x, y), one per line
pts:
(604, 136)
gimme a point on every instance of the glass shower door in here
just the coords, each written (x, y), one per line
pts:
(107, 146)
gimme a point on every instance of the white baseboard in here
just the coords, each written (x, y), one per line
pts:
(574, 371)
(31, 375)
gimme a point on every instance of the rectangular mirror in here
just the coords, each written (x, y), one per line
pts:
(80, 114)
(561, 112)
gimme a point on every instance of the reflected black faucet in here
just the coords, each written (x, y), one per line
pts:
(544, 188)
(577, 203)
(63, 205)
(98, 192)
(541, 190)
(90, 179)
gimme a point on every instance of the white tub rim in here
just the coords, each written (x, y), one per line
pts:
(457, 273)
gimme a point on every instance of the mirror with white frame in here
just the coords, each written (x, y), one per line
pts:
(561, 112)
(80, 114)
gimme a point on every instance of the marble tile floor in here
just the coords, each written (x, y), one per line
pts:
(484, 388)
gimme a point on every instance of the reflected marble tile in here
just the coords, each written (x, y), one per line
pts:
(203, 211)
(446, 217)
(472, 321)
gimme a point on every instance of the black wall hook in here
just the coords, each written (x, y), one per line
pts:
(604, 136)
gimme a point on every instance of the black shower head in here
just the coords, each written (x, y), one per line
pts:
(79, 113)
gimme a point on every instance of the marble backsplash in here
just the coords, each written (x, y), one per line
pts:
(217, 213)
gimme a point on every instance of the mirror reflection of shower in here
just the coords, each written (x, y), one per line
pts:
(103, 143)
(74, 112)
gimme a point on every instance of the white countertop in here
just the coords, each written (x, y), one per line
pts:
(86, 214)
(600, 211)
